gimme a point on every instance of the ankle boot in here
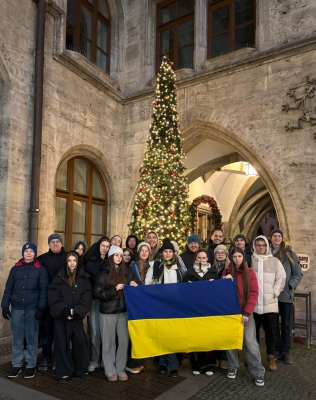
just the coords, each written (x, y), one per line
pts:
(271, 363)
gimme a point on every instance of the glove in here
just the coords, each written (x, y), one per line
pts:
(66, 312)
(39, 313)
(6, 313)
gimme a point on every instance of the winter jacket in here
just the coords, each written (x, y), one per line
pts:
(110, 301)
(248, 308)
(188, 257)
(271, 279)
(192, 275)
(53, 262)
(26, 287)
(135, 269)
(294, 275)
(156, 272)
(94, 266)
(62, 296)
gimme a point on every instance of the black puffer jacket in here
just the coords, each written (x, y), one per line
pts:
(188, 257)
(110, 301)
(62, 296)
(53, 262)
(192, 275)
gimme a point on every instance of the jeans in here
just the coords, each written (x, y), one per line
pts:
(251, 349)
(268, 321)
(170, 361)
(283, 341)
(95, 333)
(24, 325)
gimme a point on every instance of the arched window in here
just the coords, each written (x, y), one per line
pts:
(88, 30)
(231, 26)
(80, 208)
(175, 32)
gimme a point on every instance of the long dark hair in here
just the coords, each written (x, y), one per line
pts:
(72, 275)
(116, 275)
(245, 276)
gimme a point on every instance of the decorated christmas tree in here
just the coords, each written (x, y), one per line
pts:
(161, 203)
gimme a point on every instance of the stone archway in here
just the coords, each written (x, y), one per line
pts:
(197, 131)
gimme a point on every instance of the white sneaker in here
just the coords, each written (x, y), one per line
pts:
(196, 372)
(91, 368)
(209, 373)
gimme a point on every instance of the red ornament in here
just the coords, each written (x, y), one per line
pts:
(173, 213)
(148, 169)
(156, 197)
(138, 212)
(145, 233)
(140, 170)
(174, 175)
(186, 228)
(144, 216)
(143, 190)
(181, 145)
(160, 162)
(171, 194)
(171, 152)
(174, 86)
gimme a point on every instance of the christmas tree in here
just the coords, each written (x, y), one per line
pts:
(161, 203)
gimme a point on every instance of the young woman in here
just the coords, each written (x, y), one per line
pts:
(113, 322)
(294, 276)
(139, 270)
(247, 288)
(70, 298)
(132, 244)
(162, 272)
(93, 267)
(221, 260)
(202, 271)
(80, 248)
(127, 256)
(26, 292)
(153, 240)
(116, 240)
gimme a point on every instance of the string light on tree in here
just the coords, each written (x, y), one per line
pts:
(162, 204)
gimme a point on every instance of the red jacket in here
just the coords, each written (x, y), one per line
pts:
(248, 308)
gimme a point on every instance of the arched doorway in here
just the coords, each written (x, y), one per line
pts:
(81, 202)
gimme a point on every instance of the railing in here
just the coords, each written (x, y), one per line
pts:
(308, 317)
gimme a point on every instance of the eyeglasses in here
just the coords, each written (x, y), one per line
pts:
(221, 254)
(261, 245)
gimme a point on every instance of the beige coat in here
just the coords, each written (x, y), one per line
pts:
(271, 280)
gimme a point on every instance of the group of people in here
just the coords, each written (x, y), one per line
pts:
(59, 289)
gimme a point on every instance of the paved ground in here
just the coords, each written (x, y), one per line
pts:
(290, 382)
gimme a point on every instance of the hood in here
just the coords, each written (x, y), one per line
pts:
(94, 250)
(268, 251)
(85, 246)
(131, 236)
(158, 243)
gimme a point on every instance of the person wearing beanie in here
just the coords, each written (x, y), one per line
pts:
(70, 298)
(53, 261)
(113, 321)
(271, 279)
(26, 293)
(165, 271)
(188, 256)
(139, 270)
(94, 265)
(294, 275)
(221, 259)
(241, 241)
(217, 238)
(202, 362)
(132, 244)
(153, 240)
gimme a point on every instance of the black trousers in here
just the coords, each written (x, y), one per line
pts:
(75, 362)
(283, 340)
(268, 322)
(132, 362)
(202, 361)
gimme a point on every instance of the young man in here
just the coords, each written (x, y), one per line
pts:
(188, 257)
(53, 261)
(26, 291)
(271, 279)
(218, 238)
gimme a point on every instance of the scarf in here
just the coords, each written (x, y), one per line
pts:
(167, 262)
(201, 267)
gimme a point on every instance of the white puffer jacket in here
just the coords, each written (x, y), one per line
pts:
(271, 279)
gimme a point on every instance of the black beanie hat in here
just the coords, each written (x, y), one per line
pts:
(276, 231)
(167, 245)
(240, 236)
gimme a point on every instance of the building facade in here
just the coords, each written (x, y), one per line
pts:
(235, 65)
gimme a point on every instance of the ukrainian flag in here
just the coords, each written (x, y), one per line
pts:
(183, 317)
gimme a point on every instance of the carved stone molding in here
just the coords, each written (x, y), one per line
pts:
(303, 96)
